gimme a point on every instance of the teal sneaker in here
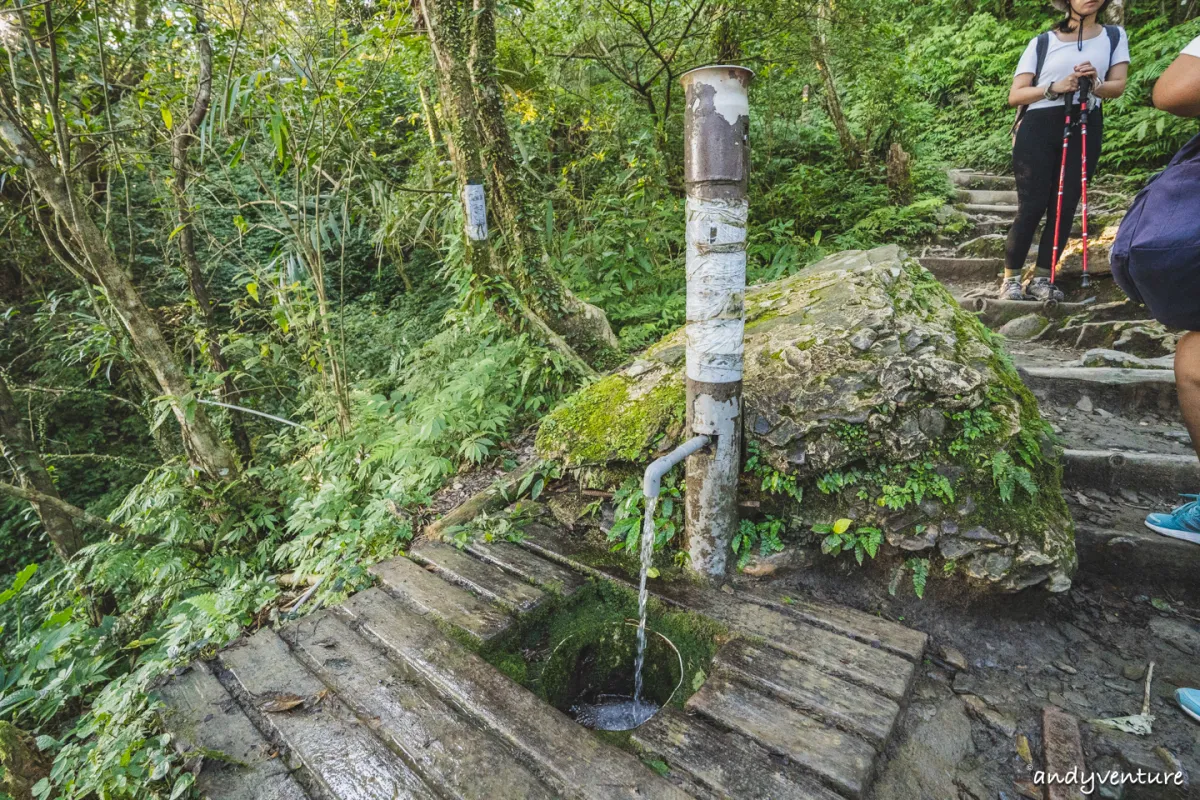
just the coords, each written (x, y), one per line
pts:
(1182, 523)
(1189, 701)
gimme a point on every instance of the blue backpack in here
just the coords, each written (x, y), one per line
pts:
(1156, 255)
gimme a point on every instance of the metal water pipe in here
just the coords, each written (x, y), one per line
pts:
(716, 167)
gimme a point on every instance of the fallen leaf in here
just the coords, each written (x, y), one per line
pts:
(280, 702)
(1023, 748)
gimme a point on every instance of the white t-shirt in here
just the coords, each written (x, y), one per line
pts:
(1193, 48)
(1061, 58)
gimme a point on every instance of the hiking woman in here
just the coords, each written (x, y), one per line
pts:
(1077, 47)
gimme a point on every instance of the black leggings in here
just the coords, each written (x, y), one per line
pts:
(1037, 159)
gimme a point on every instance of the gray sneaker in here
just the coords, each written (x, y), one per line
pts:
(1010, 289)
(1042, 289)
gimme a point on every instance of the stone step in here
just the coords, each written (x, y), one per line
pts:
(344, 759)
(850, 659)
(842, 760)
(426, 593)
(1133, 554)
(458, 758)
(998, 197)
(818, 694)
(994, 209)
(582, 764)
(236, 761)
(1115, 389)
(1110, 470)
(970, 179)
(486, 580)
(952, 270)
(550, 576)
(724, 763)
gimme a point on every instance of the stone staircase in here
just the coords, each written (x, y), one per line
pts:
(387, 695)
(1126, 451)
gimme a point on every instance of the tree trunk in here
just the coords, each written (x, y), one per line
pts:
(206, 451)
(431, 120)
(462, 36)
(180, 147)
(18, 447)
(833, 105)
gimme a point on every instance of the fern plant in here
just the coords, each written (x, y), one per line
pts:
(862, 542)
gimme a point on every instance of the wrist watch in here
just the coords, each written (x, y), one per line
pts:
(1050, 94)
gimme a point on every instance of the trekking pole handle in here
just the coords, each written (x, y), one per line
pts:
(1085, 88)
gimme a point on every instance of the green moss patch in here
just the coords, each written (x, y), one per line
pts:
(611, 422)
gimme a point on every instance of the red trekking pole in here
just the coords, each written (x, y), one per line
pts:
(1085, 86)
(1062, 177)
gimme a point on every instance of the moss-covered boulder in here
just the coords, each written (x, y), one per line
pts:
(872, 396)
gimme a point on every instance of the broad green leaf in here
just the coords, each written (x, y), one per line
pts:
(842, 525)
(252, 290)
(167, 119)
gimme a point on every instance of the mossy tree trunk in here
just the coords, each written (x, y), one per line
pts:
(18, 448)
(181, 145)
(462, 36)
(206, 450)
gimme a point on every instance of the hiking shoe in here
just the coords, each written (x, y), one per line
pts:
(1010, 289)
(1189, 701)
(1042, 289)
(1182, 523)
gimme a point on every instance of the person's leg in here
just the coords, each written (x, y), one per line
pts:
(1187, 384)
(1184, 522)
(1036, 181)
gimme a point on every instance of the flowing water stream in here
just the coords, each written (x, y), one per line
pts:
(643, 594)
(617, 712)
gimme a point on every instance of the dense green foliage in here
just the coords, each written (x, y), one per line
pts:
(329, 236)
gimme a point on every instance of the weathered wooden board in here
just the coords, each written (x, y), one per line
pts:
(727, 763)
(463, 760)
(552, 577)
(846, 658)
(582, 764)
(339, 752)
(426, 593)
(238, 763)
(851, 622)
(817, 693)
(485, 579)
(841, 759)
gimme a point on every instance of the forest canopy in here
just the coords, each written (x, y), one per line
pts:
(244, 343)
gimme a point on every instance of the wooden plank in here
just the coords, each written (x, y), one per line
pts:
(872, 667)
(485, 579)
(866, 628)
(426, 593)
(462, 760)
(552, 577)
(581, 763)
(1062, 752)
(817, 693)
(238, 763)
(725, 762)
(840, 759)
(341, 754)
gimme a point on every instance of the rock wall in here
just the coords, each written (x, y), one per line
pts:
(869, 392)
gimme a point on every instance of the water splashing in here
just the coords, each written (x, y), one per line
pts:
(643, 595)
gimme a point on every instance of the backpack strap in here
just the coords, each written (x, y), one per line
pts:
(1114, 39)
(1043, 47)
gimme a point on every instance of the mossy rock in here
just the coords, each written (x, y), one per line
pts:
(883, 401)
